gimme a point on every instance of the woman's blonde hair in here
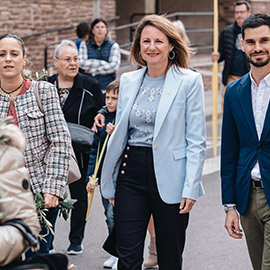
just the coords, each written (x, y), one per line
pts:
(180, 49)
(180, 28)
(181, 31)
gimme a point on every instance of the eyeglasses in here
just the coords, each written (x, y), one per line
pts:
(69, 59)
(240, 12)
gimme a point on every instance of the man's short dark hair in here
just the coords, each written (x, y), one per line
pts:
(82, 29)
(255, 21)
(240, 3)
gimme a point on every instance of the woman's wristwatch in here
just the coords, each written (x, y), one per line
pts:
(228, 207)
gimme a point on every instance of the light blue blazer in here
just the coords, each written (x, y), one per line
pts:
(179, 135)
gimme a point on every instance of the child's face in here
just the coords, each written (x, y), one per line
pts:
(111, 101)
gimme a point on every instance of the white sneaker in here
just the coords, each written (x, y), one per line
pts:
(114, 267)
(110, 262)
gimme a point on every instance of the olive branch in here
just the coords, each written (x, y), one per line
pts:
(65, 207)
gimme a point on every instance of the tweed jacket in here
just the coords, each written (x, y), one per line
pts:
(48, 130)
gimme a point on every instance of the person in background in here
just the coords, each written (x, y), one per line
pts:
(48, 141)
(152, 260)
(245, 145)
(80, 99)
(229, 51)
(182, 31)
(82, 31)
(99, 56)
(155, 155)
(111, 99)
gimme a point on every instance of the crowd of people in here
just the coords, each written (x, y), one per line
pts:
(149, 145)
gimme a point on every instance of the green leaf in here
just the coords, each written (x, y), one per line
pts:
(65, 206)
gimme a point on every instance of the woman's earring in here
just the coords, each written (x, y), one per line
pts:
(171, 54)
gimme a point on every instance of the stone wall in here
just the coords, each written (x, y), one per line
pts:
(260, 6)
(34, 17)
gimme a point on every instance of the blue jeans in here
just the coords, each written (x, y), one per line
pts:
(51, 216)
(108, 212)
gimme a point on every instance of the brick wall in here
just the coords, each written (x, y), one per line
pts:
(30, 17)
(260, 6)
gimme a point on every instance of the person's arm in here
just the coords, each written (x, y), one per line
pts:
(111, 66)
(196, 143)
(232, 224)
(218, 56)
(97, 66)
(60, 144)
(221, 47)
(91, 168)
(229, 160)
(110, 128)
(95, 151)
(92, 157)
(83, 55)
(230, 146)
(100, 119)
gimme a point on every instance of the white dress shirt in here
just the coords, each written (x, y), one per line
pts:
(260, 99)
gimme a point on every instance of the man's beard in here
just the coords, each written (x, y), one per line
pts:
(258, 63)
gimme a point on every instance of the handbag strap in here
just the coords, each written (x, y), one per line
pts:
(38, 97)
(25, 231)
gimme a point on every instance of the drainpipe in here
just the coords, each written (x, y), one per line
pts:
(158, 6)
(96, 9)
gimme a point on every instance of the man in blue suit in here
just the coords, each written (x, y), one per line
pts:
(245, 148)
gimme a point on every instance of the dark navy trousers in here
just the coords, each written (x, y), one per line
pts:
(136, 198)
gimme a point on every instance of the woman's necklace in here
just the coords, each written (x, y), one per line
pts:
(8, 94)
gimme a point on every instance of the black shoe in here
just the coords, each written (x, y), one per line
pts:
(74, 249)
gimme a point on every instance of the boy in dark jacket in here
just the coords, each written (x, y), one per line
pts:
(109, 111)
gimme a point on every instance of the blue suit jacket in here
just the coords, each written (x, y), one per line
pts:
(240, 147)
(179, 135)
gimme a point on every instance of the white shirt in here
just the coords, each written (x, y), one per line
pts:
(260, 99)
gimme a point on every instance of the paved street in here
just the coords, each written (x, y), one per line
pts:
(208, 245)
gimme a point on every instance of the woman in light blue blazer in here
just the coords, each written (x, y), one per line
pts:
(155, 156)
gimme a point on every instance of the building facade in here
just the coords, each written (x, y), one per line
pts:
(42, 22)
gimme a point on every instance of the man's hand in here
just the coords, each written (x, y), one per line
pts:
(186, 205)
(110, 128)
(111, 201)
(99, 122)
(50, 200)
(232, 224)
(215, 56)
